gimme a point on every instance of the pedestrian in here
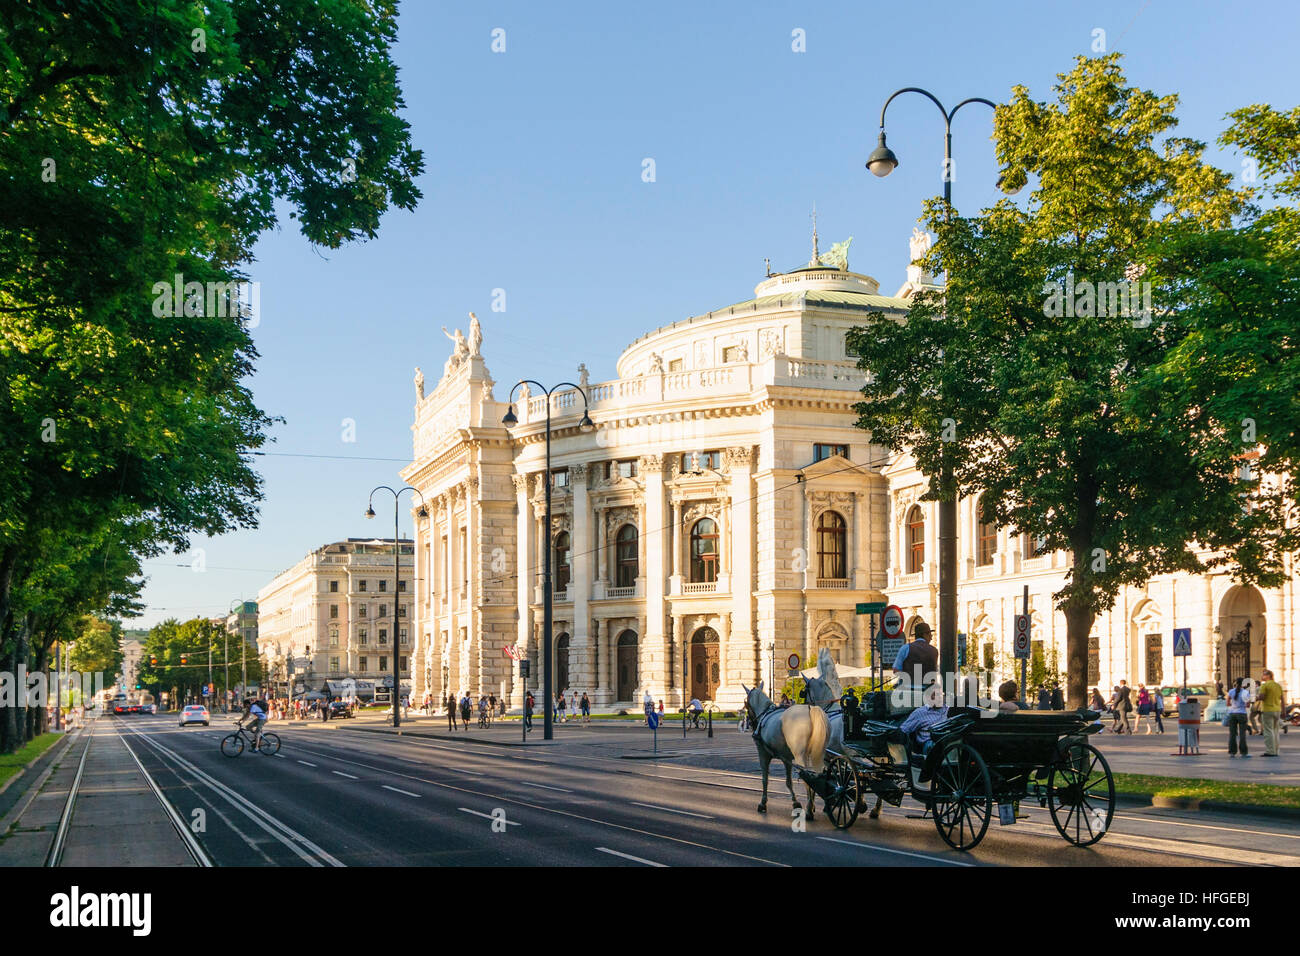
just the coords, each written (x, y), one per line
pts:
(1058, 699)
(559, 707)
(1143, 707)
(465, 710)
(1270, 712)
(1095, 702)
(1158, 710)
(661, 711)
(586, 709)
(1238, 716)
(529, 703)
(1124, 705)
(648, 705)
(1044, 698)
(451, 711)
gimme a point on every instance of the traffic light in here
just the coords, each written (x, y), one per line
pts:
(137, 686)
(184, 658)
(153, 660)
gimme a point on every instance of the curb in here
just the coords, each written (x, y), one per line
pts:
(432, 736)
(47, 752)
(1195, 804)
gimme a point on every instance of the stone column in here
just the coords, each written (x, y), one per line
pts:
(602, 547)
(652, 648)
(608, 664)
(580, 672)
(471, 563)
(526, 545)
(742, 660)
(857, 571)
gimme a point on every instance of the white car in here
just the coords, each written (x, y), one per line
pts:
(195, 714)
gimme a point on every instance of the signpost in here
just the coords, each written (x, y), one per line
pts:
(1183, 649)
(891, 635)
(524, 668)
(1022, 643)
(873, 608)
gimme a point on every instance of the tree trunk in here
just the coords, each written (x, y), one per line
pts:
(1078, 626)
(22, 653)
(9, 661)
(38, 721)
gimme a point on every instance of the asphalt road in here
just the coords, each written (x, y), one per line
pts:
(337, 795)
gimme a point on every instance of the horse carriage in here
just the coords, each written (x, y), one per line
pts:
(975, 761)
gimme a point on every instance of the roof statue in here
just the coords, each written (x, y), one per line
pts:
(459, 353)
(475, 336)
(419, 384)
(582, 375)
(838, 257)
(921, 243)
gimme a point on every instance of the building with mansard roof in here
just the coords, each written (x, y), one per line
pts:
(725, 512)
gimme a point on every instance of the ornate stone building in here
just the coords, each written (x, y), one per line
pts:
(725, 512)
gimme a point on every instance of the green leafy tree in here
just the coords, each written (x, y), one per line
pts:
(97, 647)
(1047, 416)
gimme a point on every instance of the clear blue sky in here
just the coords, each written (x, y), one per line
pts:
(533, 185)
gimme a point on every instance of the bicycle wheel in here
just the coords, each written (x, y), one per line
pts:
(232, 745)
(270, 745)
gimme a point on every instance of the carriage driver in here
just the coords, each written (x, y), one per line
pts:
(918, 658)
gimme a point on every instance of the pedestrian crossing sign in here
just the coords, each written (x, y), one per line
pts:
(1182, 642)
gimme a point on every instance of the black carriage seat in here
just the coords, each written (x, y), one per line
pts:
(1026, 741)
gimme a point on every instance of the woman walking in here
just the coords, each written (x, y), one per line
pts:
(1144, 707)
(1238, 715)
(1158, 710)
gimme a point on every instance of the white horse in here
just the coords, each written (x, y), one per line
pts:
(794, 735)
(825, 691)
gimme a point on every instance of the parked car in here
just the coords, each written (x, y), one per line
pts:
(1173, 696)
(340, 708)
(195, 714)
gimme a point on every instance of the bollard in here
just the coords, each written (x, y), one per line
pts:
(710, 724)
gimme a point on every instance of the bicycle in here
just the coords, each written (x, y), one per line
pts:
(484, 719)
(232, 745)
(695, 720)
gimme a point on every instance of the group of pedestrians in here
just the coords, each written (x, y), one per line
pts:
(1266, 703)
(578, 709)
(487, 707)
(1150, 703)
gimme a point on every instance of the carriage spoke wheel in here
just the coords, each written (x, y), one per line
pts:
(1081, 795)
(842, 793)
(961, 796)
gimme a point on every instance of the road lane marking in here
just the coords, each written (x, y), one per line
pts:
(885, 849)
(629, 856)
(187, 837)
(553, 810)
(542, 786)
(306, 764)
(313, 854)
(473, 773)
(395, 790)
(685, 813)
(488, 816)
(342, 774)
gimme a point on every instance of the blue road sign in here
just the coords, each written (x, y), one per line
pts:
(653, 719)
(1182, 642)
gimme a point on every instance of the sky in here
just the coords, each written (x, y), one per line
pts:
(535, 184)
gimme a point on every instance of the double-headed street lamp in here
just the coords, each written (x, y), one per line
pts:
(882, 162)
(397, 589)
(586, 425)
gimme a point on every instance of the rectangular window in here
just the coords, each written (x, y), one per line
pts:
(402, 664)
(363, 664)
(700, 460)
(383, 611)
(334, 587)
(383, 663)
(383, 584)
(627, 469)
(334, 610)
(361, 585)
(821, 452)
(334, 637)
(402, 635)
(363, 637)
(401, 610)
(674, 365)
(361, 610)
(560, 478)
(401, 587)
(334, 665)
(383, 636)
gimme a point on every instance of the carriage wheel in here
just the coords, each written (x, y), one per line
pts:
(842, 793)
(961, 796)
(1081, 795)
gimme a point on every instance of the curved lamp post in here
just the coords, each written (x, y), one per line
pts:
(586, 425)
(881, 163)
(397, 590)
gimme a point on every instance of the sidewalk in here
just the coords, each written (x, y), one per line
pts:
(1156, 754)
(116, 819)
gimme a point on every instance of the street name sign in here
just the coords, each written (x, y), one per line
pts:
(871, 607)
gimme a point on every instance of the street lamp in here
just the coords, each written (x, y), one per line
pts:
(881, 163)
(397, 599)
(586, 425)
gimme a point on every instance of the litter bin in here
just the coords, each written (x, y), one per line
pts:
(1189, 728)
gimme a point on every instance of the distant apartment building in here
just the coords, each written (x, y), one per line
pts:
(132, 651)
(330, 616)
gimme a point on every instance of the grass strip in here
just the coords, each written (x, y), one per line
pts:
(1220, 791)
(13, 763)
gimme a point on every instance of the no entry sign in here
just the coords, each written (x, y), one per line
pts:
(891, 623)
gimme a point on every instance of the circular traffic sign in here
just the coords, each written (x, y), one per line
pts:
(891, 622)
(793, 661)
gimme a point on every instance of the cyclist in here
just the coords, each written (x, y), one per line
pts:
(697, 709)
(255, 714)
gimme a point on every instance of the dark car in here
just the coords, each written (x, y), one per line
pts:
(340, 709)
(121, 707)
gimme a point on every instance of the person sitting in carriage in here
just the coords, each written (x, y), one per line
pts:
(919, 721)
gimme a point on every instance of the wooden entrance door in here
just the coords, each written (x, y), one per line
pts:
(1155, 660)
(706, 664)
(627, 666)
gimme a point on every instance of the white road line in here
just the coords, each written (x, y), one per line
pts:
(395, 790)
(542, 786)
(685, 813)
(306, 764)
(472, 773)
(885, 849)
(629, 856)
(191, 844)
(488, 816)
(342, 774)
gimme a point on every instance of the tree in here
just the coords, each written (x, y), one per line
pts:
(98, 646)
(1031, 366)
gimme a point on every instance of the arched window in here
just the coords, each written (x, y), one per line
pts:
(704, 551)
(561, 569)
(986, 540)
(915, 540)
(625, 557)
(562, 663)
(831, 550)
